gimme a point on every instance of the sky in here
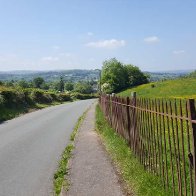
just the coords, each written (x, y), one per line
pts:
(154, 35)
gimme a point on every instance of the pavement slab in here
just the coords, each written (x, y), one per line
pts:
(91, 172)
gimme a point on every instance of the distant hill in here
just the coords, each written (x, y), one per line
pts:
(74, 75)
(165, 75)
(178, 88)
(78, 75)
(191, 75)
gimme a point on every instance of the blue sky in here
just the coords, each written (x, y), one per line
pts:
(70, 34)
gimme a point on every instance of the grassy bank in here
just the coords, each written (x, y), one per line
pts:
(136, 178)
(179, 88)
(60, 178)
(7, 113)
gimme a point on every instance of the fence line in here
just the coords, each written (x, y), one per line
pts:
(161, 134)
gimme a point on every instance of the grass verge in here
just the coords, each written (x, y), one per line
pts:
(60, 178)
(137, 180)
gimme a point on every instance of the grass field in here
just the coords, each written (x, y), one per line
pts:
(180, 88)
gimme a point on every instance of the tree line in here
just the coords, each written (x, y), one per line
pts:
(83, 87)
(115, 76)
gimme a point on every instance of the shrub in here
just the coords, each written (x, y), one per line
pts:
(64, 97)
(13, 97)
(2, 100)
(83, 96)
(54, 96)
(41, 97)
(27, 97)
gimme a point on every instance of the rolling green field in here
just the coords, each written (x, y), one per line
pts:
(180, 88)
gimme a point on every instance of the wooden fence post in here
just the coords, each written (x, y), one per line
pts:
(193, 125)
(128, 121)
(112, 112)
(133, 94)
(134, 122)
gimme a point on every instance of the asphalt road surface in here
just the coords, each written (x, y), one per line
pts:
(31, 145)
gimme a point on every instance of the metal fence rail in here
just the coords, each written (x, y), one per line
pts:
(161, 134)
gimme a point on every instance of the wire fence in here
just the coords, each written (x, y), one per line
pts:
(161, 134)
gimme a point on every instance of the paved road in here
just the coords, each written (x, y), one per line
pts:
(31, 145)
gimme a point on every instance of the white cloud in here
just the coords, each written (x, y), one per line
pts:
(109, 44)
(178, 51)
(50, 58)
(152, 39)
(90, 34)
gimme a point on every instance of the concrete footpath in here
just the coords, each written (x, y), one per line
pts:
(91, 172)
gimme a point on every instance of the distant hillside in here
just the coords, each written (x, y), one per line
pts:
(179, 88)
(73, 75)
(165, 75)
(77, 75)
(191, 75)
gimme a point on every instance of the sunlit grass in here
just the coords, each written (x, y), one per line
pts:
(180, 88)
(138, 180)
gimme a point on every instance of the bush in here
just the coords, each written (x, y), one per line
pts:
(27, 97)
(54, 96)
(64, 97)
(83, 88)
(2, 100)
(41, 97)
(13, 97)
(83, 96)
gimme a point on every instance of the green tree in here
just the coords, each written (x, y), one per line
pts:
(83, 87)
(45, 86)
(113, 75)
(23, 84)
(61, 84)
(38, 82)
(135, 76)
(69, 86)
(10, 83)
